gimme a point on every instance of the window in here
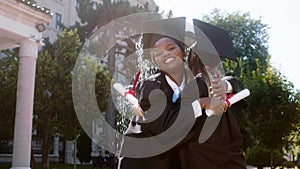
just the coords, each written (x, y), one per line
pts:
(77, 5)
(57, 21)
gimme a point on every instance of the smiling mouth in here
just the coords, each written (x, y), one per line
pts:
(169, 60)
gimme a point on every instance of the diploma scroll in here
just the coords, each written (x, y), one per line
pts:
(133, 100)
(121, 89)
(238, 96)
(230, 101)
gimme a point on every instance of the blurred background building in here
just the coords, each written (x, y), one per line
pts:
(64, 12)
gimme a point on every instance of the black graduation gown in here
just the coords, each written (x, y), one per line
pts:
(179, 114)
(221, 149)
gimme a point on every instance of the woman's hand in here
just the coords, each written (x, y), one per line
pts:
(218, 106)
(218, 89)
(137, 110)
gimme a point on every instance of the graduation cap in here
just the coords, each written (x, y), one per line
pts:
(219, 38)
(154, 30)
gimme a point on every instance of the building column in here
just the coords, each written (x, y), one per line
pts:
(56, 146)
(24, 105)
(95, 149)
(69, 152)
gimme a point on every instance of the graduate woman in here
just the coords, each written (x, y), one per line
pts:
(222, 149)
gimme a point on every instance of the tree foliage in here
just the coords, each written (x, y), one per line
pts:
(273, 116)
(249, 37)
(91, 89)
(54, 85)
(272, 113)
(8, 91)
(93, 17)
(260, 157)
(53, 108)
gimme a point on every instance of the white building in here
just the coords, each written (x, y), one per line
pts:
(64, 11)
(21, 25)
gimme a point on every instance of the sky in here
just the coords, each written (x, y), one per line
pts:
(282, 18)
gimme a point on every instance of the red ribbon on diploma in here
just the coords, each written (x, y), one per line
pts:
(227, 99)
(131, 91)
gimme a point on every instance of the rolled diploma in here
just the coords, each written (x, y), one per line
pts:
(133, 100)
(238, 96)
(235, 98)
(121, 89)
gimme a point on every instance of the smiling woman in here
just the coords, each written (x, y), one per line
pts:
(170, 60)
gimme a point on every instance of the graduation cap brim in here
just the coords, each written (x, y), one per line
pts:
(153, 30)
(218, 37)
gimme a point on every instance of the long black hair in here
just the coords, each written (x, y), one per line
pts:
(197, 67)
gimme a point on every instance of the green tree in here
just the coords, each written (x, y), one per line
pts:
(259, 156)
(91, 80)
(272, 113)
(53, 107)
(93, 17)
(292, 146)
(8, 92)
(249, 37)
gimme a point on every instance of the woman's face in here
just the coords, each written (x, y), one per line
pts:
(168, 54)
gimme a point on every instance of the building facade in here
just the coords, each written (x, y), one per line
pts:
(64, 11)
(19, 24)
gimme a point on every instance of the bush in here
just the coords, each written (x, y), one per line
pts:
(260, 156)
(288, 164)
